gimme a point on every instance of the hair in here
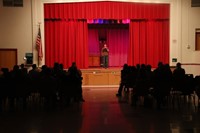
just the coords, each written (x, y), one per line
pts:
(34, 66)
(178, 64)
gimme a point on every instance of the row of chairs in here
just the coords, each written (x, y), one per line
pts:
(167, 95)
(41, 92)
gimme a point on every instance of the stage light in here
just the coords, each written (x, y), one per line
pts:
(89, 21)
(126, 21)
(118, 21)
(100, 21)
(113, 21)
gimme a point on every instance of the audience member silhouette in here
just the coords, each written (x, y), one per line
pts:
(178, 77)
(23, 69)
(54, 83)
(51, 83)
(75, 76)
(5, 79)
(124, 76)
(141, 88)
(162, 83)
(34, 72)
(34, 76)
(48, 86)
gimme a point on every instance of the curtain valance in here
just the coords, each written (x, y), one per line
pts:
(106, 10)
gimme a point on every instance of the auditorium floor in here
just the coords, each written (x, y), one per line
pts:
(103, 112)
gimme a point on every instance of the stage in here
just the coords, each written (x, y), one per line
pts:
(101, 76)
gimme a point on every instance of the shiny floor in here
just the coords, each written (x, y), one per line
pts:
(103, 112)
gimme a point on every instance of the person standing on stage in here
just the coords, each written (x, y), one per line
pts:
(104, 56)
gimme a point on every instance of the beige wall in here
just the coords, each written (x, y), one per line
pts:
(190, 20)
(18, 30)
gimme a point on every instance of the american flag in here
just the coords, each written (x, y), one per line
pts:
(39, 45)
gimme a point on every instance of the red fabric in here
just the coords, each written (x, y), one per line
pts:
(93, 42)
(117, 41)
(149, 42)
(106, 10)
(66, 42)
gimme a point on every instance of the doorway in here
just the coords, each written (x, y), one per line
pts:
(8, 58)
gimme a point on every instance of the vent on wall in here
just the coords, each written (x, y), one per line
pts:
(195, 3)
(13, 3)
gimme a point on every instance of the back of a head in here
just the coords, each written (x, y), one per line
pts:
(138, 66)
(22, 65)
(160, 64)
(61, 66)
(178, 65)
(125, 66)
(5, 70)
(56, 65)
(44, 67)
(143, 66)
(34, 66)
(148, 67)
(73, 64)
(16, 67)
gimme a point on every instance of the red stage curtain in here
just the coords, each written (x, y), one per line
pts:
(106, 10)
(149, 42)
(93, 42)
(66, 42)
(117, 40)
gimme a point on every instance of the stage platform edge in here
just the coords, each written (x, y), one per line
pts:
(101, 77)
